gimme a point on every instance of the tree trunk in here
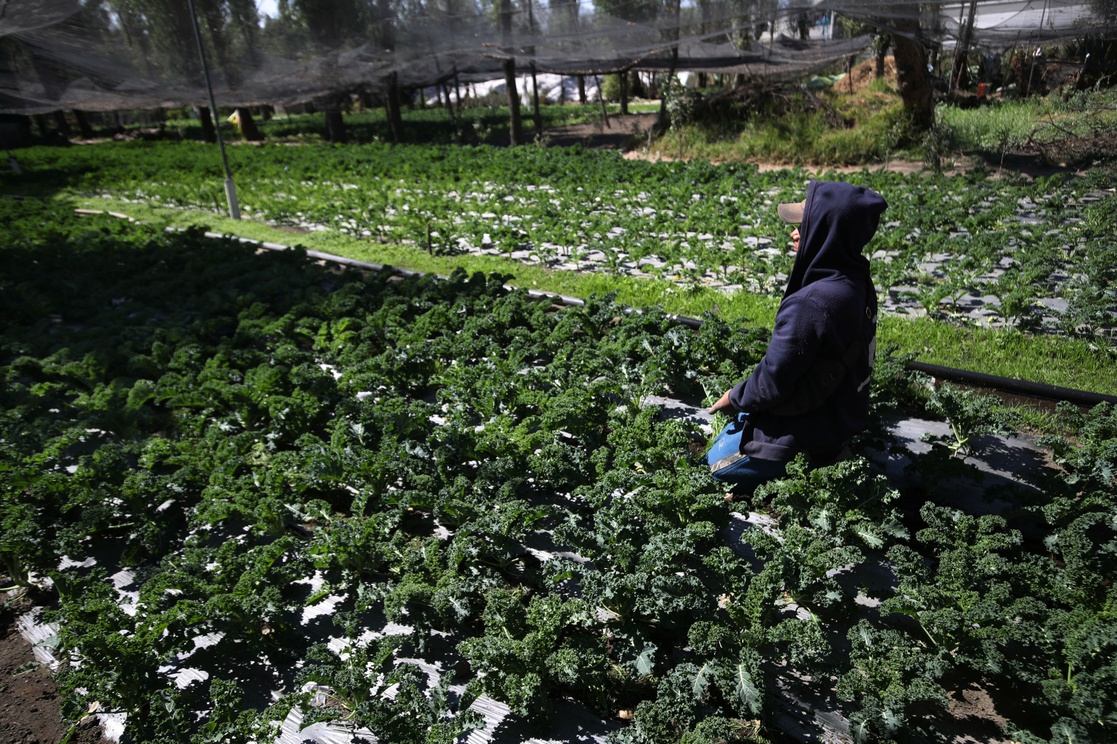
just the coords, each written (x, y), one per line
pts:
(913, 78)
(961, 78)
(582, 89)
(515, 124)
(455, 113)
(637, 87)
(395, 116)
(457, 94)
(61, 124)
(19, 133)
(209, 134)
(41, 123)
(624, 92)
(601, 100)
(882, 54)
(663, 120)
(535, 98)
(247, 124)
(387, 30)
(335, 125)
(83, 124)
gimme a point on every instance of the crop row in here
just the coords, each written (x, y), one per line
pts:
(1025, 254)
(279, 455)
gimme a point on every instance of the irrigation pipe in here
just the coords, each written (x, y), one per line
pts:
(1017, 387)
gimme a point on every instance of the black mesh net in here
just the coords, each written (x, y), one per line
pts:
(105, 55)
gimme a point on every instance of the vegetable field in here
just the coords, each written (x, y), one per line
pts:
(305, 479)
(975, 250)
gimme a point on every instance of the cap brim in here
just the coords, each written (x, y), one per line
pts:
(792, 212)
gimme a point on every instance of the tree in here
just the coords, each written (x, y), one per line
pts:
(1105, 11)
(904, 31)
(332, 24)
(515, 124)
(245, 20)
(231, 28)
(629, 10)
(565, 22)
(912, 76)
(663, 120)
(161, 33)
(959, 76)
(386, 35)
(882, 40)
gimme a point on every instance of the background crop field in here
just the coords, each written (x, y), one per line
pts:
(1036, 259)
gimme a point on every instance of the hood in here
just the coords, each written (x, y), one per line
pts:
(839, 220)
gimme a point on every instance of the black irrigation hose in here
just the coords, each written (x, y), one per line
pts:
(1015, 387)
(1008, 385)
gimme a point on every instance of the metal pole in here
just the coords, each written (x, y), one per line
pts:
(230, 187)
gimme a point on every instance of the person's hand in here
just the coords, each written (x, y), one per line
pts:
(723, 403)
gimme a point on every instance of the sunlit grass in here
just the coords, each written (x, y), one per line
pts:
(992, 127)
(827, 127)
(1058, 125)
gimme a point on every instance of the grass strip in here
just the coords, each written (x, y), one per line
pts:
(1052, 360)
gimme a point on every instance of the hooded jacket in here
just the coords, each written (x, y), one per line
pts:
(829, 306)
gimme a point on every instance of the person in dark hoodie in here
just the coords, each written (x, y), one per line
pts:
(810, 391)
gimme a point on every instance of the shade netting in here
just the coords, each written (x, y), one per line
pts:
(105, 55)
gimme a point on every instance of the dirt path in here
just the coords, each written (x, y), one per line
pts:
(628, 133)
(29, 711)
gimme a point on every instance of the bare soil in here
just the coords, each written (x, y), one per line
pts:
(619, 132)
(29, 710)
